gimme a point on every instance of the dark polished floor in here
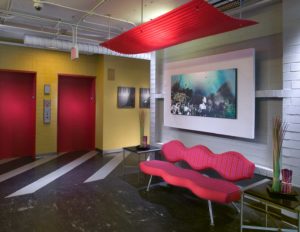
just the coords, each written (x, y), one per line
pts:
(116, 203)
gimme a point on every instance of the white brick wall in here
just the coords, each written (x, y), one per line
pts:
(295, 84)
(290, 76)
(295, 101)
(152, 99)
(291, 83)
(292, 136)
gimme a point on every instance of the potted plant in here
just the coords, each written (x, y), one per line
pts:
(279, 129)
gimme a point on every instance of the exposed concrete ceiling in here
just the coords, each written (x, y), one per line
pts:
(88, 21)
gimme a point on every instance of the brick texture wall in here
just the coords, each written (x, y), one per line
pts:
(291, 85)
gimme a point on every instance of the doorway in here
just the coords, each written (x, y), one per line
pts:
(76, 113)
(17, 113)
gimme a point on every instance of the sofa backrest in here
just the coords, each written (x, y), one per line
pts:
(230, 165)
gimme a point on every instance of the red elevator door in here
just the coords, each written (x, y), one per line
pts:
(17, 114)
(76, 113)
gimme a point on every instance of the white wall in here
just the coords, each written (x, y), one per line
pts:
(291, 85)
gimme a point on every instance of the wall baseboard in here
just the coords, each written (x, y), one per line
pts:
(111, 151)
(43, 155)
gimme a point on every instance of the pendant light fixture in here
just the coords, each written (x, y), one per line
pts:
(193, 20)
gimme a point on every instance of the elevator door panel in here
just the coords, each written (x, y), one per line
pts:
(17, 114)
(76, 114)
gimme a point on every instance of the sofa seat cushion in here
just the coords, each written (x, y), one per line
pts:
(205, 187)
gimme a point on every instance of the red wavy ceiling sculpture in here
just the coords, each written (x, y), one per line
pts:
(193, 20)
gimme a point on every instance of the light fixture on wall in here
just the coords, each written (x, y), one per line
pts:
(193, 20)
(74, 49)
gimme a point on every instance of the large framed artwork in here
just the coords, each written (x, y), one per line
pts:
(144, 98)
(214, 94)
(205, 94)
(126, 97)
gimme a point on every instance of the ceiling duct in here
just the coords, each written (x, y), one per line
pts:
(84, 48)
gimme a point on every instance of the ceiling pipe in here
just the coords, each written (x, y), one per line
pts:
(51, 21)
(84, 11)
(9, 5)
(244, 8)
(91, 11)
(54, 34)
(4, 18)
(241, 6)
(83, 47)
(14, 44)
(142, 11)
(103, 25)
(109, 29)
(220, 3)
(231, 12)
(103, 51)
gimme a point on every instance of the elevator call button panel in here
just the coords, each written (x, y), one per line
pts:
(47, 111)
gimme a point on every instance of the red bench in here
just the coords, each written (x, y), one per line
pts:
(231, 166)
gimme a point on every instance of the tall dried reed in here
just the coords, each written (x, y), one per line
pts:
(279, 130)
(142, 124)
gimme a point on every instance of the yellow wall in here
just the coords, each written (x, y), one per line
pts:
(99, 103)
(115, 128)
(121, 126)
(47, 64)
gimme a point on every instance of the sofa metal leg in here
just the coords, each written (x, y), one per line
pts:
(236, 207)
(211, 213)
(149, 183)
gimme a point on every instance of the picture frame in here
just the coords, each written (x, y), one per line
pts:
(126, 97)
(205, 94)
(144, 98)
(47, 89)
(242, 122)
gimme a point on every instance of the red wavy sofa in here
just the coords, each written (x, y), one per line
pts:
(231, 166)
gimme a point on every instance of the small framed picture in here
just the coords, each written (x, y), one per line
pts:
(47, 89)
(126, 97)
(144, 98)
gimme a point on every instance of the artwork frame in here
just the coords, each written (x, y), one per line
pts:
(47, 89)
(144, 98)
(244, 124)
(126, 97)
(205, 94)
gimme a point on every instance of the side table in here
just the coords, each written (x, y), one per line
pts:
(135, 150)
(271, 206)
